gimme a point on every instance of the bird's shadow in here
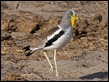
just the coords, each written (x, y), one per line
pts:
(100, 75)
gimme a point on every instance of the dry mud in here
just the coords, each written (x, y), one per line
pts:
(84, 58)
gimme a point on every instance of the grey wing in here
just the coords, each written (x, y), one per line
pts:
(51, 31)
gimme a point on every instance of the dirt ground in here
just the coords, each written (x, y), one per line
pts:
(84, 58)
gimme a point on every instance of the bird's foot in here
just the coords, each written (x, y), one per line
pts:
(51, 70)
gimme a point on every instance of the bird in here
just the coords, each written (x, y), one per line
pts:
(56, 38)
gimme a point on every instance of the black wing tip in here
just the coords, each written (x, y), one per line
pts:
(28, 53)
(26, 48)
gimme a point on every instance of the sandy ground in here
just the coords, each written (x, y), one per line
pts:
(84, 58)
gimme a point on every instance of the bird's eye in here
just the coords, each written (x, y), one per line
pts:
(69, 14)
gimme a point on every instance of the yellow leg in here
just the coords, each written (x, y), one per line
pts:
(51, 69)
(55, 63)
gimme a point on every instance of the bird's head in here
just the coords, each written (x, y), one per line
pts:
(73, 18)
(69, 19)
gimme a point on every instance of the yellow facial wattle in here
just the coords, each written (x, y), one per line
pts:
(73, 20)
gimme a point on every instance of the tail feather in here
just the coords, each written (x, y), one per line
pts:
(26, 48)
(29, 51)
